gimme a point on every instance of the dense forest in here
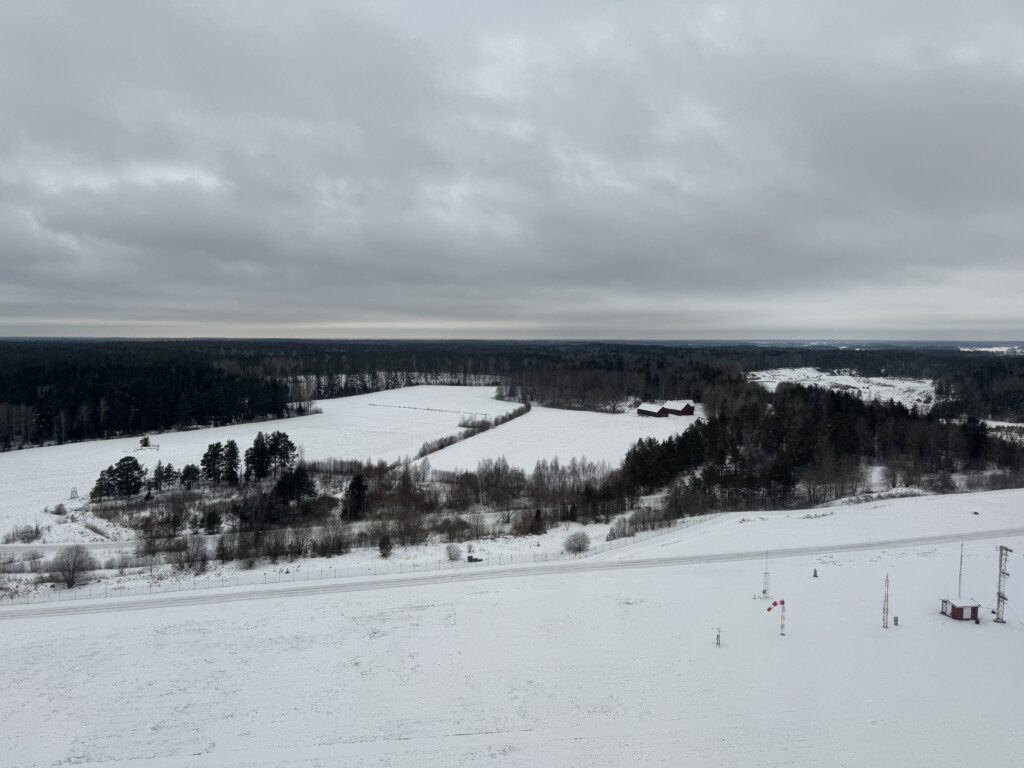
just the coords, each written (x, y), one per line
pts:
(806, 445)
(58, 391)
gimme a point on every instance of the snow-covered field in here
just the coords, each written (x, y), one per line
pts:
(910, 392)
(385, 425)
(605, 661)
(549, 433)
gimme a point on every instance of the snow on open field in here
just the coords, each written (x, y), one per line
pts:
(548, 433)
(384, 425)
(587, 664)
(896, 518)
(910, 392)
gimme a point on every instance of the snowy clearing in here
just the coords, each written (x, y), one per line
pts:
(384, 425)
(549, 433)
(574, 666)
(910, 392)
(388, 425)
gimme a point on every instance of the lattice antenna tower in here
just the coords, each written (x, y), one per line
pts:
(1004, 553)
(885, 605)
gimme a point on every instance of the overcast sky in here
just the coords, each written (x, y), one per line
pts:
(555, 169)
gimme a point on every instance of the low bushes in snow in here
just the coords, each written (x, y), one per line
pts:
(24, 534)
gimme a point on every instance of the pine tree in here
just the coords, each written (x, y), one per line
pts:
(230, 463)
(355, 498)
(104, 486)
(282, 451)
(212, 462)
(257, 459)
(128, 476)
(190, 476)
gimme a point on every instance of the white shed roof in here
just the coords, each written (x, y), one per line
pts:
(650, 408)
(963, 602)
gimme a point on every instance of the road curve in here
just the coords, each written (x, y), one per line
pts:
(303, 589)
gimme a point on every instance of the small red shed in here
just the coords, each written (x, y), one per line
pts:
(961, 608)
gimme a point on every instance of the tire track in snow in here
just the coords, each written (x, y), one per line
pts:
(105, 605)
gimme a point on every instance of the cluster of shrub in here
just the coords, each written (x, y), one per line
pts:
(68, 564)
(645, 519)
(22, 534)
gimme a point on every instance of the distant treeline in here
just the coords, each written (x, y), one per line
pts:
(597, 377)
(58, 391)
(64, 391)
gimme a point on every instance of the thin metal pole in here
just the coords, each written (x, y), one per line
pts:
(960, 583)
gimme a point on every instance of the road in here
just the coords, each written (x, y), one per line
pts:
(490, 573)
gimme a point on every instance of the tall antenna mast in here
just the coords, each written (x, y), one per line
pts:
(960, 583)
(885, 605)
(1004, 553)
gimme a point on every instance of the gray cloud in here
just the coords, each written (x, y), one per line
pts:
(656, 170)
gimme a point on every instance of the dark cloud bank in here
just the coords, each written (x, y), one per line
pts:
(463, 169)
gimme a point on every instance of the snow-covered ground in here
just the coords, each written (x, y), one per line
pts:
(388, 425)
(910, 392)
(604, 661)
(1008, 350)
(1006, 430)
(549, 433)
(384, 425)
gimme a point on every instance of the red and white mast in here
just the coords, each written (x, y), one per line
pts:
(781, 605)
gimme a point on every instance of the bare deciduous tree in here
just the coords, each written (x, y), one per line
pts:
(70, 562)
(576, 543)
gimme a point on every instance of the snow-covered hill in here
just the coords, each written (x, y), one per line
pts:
(606, 661)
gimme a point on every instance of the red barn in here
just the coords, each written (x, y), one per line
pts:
(646, 409)
(961, 608)
(680, 407)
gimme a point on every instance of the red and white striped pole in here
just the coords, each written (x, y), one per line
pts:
(781, 605)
